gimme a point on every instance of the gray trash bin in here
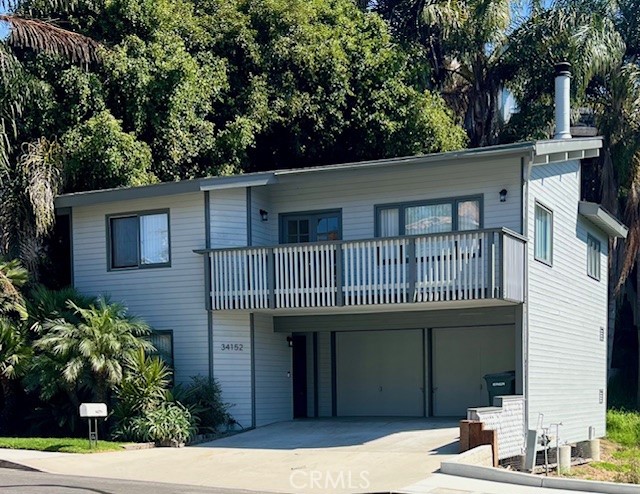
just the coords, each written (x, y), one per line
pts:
(500, 384)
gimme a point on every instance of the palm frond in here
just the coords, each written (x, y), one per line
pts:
(27, 195)
(43, 36)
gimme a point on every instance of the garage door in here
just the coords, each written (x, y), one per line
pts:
(461, 357)
(380, 373)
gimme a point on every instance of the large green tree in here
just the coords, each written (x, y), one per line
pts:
(221, 86)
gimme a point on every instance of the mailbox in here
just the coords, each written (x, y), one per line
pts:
(93, 410)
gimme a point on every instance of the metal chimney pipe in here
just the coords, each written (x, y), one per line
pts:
(563, 100)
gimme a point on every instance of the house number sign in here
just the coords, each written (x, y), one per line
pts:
(232, 347)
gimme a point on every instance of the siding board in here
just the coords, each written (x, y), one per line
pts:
(567, 360)
(274, 399)
(166, 298)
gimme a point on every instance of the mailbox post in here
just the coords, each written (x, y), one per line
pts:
(92, 412)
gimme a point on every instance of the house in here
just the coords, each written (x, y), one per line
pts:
(381, 288)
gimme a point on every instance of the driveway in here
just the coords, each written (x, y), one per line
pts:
(315, 455)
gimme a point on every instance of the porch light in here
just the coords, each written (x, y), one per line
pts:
(264, 215)
(290, 341)
(503, 195)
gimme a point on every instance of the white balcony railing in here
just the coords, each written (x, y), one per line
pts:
(474, 265)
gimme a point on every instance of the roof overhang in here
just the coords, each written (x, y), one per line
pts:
(537, 152)
(235, 181)
(603, 219)
(557, 150)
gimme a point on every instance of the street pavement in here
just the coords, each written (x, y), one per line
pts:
(22, 482)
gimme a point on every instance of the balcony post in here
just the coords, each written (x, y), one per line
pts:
(339, 275)
(491, 263)
(411, 268)
(501, 264)
(271, 278)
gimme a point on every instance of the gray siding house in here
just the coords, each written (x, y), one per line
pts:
(382, 288)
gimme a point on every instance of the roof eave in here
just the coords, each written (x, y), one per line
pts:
(603, 219)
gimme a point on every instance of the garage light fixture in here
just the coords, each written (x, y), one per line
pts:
(264, 215)
(290, 341)
(503, 195)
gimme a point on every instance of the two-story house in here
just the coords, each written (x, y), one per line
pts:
(381, 288)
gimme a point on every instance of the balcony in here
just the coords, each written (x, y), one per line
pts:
(459, 266)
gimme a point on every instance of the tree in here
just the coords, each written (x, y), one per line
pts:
(12, 278)
(221, 86)
(98, 154)
(465, 42)
(28, 188)
(94, 349)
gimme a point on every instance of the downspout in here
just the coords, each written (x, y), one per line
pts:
(207, 280)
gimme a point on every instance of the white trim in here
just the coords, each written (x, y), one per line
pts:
(603, 219)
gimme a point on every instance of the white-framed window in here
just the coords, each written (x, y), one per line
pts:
(434, 216)
(593, 257)
(138, 240)
(543, 246)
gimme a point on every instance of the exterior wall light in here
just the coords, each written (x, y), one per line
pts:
(503, 195)
(264, 215)
(290, 341)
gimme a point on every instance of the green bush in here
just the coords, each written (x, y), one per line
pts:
(169, 422)
(623, 427)
(143, 387)
(203, 397)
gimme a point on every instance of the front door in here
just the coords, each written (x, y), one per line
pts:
(299, 376)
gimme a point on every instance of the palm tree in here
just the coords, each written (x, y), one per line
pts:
(473, 35)
(29, 180)
(15, 356)
(94, 350)
(12, 278)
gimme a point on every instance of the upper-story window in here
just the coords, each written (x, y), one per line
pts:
(138, 240)
(319, 226)
(543, 246)
(437, 216)
(593, 257)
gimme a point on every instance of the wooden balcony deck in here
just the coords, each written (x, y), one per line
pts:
(472, 265)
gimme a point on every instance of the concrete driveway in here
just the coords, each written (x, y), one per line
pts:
(302, 456)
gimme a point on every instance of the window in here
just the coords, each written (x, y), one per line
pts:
(543, 234)
(163, 342)
(310, 227)
(429, 217)
(593, 257)
(139, 240)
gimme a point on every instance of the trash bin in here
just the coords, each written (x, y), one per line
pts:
(500, 384)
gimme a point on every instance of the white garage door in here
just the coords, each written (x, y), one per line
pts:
(461, 357)
(380, 373)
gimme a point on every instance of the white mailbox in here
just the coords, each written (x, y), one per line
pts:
(93, 410)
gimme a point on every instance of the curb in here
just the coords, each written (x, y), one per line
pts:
(460, 468)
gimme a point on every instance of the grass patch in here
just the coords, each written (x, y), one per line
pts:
(624, 427)
(57, 444)
(608, 466)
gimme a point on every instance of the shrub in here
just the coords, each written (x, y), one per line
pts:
(143, 387)
(170, 422)
(203, 396)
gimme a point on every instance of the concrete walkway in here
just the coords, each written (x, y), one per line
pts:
(303, 456)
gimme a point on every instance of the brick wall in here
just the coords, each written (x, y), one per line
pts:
(507, 417)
